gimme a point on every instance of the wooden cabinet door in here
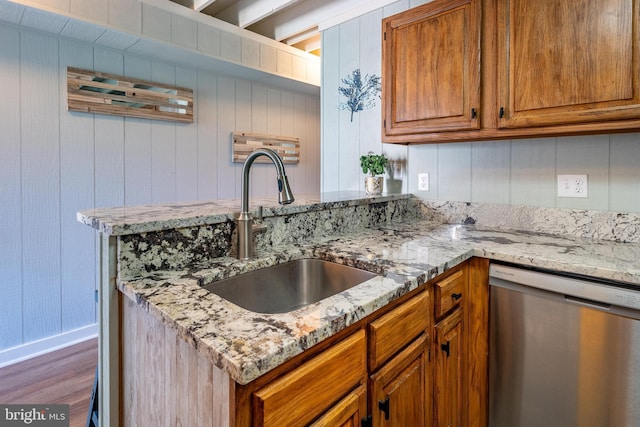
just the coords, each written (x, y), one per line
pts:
(401, 389)
(564, 62)
(431, 70)
(448, 371)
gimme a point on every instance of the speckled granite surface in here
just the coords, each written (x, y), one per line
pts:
(140, 219)
(405, 249)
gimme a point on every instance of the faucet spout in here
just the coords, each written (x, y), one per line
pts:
(245, 221)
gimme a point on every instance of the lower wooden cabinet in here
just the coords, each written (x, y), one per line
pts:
(401, 389)
(448, 371)
(422, 361)
(420, 369)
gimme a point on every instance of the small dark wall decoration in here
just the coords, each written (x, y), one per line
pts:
(360, 92)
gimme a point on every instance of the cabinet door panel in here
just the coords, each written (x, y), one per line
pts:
(401, 389)
(568, 62)
(431, 69)
(449, 370)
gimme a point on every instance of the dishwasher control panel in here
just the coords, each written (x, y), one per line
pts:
(575, 287)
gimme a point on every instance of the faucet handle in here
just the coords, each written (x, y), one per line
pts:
(258, 227)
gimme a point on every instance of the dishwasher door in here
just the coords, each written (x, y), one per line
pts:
(560, 360)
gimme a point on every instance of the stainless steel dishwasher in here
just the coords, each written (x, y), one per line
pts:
(564, 351)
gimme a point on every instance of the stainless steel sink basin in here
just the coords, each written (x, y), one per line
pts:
(286, 287)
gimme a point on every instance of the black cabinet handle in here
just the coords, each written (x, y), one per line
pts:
(445, 348)
(366, 422)
(501, 112)
(474, 113)
(456, 297)
(383, 405)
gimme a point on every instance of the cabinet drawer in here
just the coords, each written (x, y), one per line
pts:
(391, 332)
(298, 397)
(449, 292)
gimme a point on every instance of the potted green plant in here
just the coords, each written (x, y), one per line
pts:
(374, 165)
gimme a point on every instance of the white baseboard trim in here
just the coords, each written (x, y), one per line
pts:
(46, 345)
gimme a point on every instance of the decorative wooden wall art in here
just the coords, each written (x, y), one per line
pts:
(287, 147)
(95, 92)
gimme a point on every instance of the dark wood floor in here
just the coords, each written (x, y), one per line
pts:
(63, 376)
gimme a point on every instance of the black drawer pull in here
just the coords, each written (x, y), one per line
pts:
(456, 297)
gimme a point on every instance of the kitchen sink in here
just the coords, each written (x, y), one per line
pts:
(286, 287)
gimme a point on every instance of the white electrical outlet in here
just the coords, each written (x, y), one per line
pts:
(573, 186)
(423, 182)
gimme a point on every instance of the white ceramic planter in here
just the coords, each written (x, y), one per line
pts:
(373, 185)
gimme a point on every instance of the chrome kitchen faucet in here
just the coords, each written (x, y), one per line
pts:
(245, 220)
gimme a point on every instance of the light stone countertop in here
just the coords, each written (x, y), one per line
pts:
(124, 220)
(247, 344)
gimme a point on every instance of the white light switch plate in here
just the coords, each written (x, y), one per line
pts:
(573, 186)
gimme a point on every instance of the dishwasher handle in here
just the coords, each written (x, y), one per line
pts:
(587, 303)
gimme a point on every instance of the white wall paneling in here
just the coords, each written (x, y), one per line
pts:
(274, 127)
(11, 321)
(163, 145)
(331, 143)
(624, 173)
(259, 172)
(230, 118)
(55, 162)
(533, 167)
(186, 144)
(209, 160)
(311, 163)
(490, 172)
(588, 155)
(76, 193)
(354, 44)
(40, 179)
(351, 177)
(454, 171)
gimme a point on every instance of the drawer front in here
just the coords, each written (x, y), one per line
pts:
(449, 292)
(298, 397)
(391, 332)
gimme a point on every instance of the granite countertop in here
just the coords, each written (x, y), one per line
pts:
(124, 220)
(247, 344)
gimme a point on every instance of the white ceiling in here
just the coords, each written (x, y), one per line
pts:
(295, 22)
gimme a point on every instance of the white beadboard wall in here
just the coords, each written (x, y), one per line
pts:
(517, 172)
(353, 44)
(54, 162)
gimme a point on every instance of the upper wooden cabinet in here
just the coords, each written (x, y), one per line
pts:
(431, 70)
(567, 62)
(543, 67)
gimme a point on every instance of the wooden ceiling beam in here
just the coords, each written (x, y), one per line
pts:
(244, 13)
(199, 5)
